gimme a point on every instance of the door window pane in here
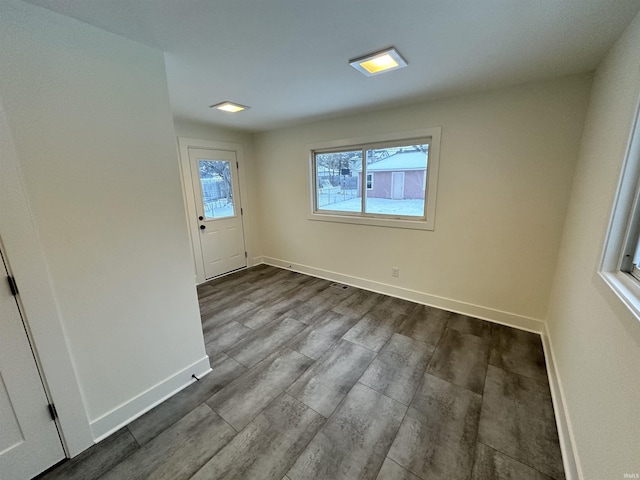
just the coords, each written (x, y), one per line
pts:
(337, 176)
(217, 194)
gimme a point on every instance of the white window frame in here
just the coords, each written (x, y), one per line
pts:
(426, 223)
(624, 227)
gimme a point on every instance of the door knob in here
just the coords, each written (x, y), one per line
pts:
(202, 227)
(200, 217)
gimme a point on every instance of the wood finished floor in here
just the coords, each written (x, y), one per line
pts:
(312, 381)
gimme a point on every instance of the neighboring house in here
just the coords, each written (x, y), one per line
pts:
(402, 175)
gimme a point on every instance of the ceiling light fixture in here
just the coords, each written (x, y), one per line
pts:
(379, 62)
(229, 107)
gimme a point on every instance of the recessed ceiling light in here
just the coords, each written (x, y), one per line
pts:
(379, 62)
(229, 107)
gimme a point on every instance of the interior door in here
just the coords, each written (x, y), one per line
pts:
(29, 441)
(215, 185)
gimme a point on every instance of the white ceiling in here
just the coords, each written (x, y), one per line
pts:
(288, 59)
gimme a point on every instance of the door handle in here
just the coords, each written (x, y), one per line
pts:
(200, 217)
(202, 227)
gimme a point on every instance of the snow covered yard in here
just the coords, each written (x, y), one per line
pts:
(384, 206)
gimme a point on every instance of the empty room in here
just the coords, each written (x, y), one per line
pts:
(294, 240)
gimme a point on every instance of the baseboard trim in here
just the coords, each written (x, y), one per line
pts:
(124, 414)
(496, 316)
(570, 457)
(256, 261)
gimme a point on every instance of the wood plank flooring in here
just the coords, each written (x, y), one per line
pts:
(314, 381)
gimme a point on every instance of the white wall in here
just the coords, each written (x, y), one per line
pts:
(595, 340)
(204, 131)
(506, 164)
(248, 175)
(89, 114)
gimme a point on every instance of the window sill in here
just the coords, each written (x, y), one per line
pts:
(625, 288)
(373, 221)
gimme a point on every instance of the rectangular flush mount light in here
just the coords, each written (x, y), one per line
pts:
(229, 107)
(379, 62)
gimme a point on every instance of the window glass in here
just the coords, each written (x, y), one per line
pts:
(217, 194)
(337, 181)
(398, 177)
(369, 181)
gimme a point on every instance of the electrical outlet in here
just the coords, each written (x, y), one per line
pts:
(395, 272)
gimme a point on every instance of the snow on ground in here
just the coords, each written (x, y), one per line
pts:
(383, 206)
(211, 210)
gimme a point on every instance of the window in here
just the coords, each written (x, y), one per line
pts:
(620, 265)
(630, 262)
(215, 185)
(386, 180)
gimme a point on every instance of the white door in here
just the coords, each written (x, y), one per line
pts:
(29, 441)
(214, 174)
(397, 185)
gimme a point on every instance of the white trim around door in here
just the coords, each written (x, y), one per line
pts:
(190, 194)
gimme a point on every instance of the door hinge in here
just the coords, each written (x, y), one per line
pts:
(13, 286)
(237, 164)
(241, 211)
(52, 411)
(245, 255)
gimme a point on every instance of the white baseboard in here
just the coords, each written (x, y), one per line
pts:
(570, 457)
(124, 414)
(497, 316)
